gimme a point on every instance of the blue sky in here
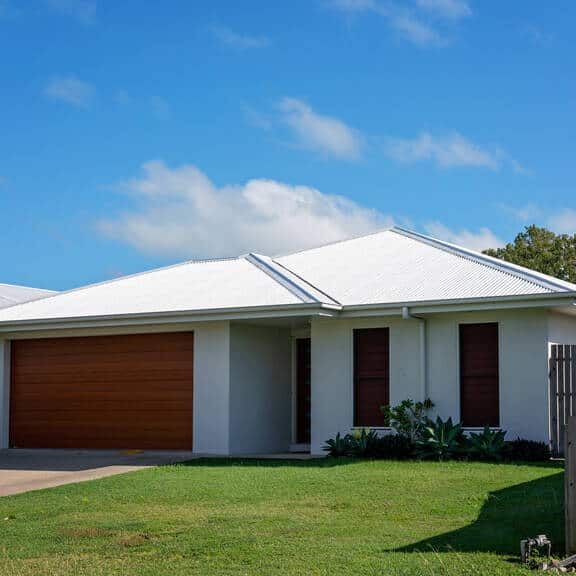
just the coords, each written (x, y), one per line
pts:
(138, 133)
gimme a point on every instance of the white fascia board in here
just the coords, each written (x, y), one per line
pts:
(185, 317)
(462, 305)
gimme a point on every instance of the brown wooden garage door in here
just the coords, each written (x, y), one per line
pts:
(130, 391)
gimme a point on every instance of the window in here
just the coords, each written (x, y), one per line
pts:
(479, 375)
(371, 375)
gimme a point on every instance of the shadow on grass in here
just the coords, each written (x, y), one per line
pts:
(507, 516)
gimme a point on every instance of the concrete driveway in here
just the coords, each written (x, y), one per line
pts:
(25, 470)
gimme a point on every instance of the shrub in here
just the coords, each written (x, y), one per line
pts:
(441, 440)
(486, 445)
(363, 443)
(408, 418)
(394, 447)
(526, 450)
(338, 446)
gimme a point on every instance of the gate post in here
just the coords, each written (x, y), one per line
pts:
(570, 485)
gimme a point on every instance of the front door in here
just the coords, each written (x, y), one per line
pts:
(303, 391)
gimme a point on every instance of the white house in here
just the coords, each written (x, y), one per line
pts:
(255, 354)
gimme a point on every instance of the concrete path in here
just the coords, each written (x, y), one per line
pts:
(25, 470)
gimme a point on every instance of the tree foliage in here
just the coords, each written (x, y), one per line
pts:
(542, 250)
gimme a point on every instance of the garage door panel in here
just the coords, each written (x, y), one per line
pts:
(132, 391)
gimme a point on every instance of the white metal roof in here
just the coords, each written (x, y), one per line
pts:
(11, 294)
(386, 268)
(200, 285)
(398, 266)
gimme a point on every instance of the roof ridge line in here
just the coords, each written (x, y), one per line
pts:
(134, 275)
(306, 281)
(341, 241)
(259, 261)
(548, 282)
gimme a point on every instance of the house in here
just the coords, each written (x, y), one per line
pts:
(257, 354)
(11, 294)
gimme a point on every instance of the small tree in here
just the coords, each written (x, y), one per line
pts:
(408, 418)
(541, 250)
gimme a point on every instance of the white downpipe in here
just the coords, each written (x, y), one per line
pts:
(407, 315)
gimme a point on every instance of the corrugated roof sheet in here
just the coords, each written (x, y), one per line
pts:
(202, 285)
(11, 294)
(397, 266)
(390, 267)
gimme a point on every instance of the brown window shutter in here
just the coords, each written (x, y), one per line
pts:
(371, 375)
(479, 375)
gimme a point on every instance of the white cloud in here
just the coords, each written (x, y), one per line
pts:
(448, 152)
(71, 90)
(83, 10)
(481, 240)
(411, 21)
(526, 213)
(180, 212)
(315, 131)
(239, 41)
(563, 222)
(449, 9)
(415, 30)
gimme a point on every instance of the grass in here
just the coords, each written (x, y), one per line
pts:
(232, 517)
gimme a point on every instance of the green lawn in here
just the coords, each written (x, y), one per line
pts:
(284, 518)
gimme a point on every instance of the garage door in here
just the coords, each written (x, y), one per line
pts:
(132, 391)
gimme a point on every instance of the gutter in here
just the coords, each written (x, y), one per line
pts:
(177, 317)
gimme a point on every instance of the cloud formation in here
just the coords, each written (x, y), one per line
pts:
(422, 22)
(70, 90)
(318, 132)
(180, 212)
(449, 9)
(238, 41)
(481, 240)
(448, 151)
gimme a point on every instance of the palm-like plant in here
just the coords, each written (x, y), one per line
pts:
(440, 440)
(487, 445)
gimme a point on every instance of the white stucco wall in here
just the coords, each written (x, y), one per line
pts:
(260, 389)
(561, 328)
(211, 419)
(332, 371)
(523, 369)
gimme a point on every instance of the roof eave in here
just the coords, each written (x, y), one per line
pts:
(179, 317)
(548, 300)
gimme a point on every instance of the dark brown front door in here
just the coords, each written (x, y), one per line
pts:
(303, 390)
(132, 391)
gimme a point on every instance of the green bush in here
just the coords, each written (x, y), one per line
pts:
(338, 446)
(441, 440)
(363, 443)
(394, 447)
(408, 418)
(523, 450)
(486, 445)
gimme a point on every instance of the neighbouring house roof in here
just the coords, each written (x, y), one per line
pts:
(392, 267)
(11, 294)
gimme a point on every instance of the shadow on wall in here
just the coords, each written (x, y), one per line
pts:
(508, 515)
